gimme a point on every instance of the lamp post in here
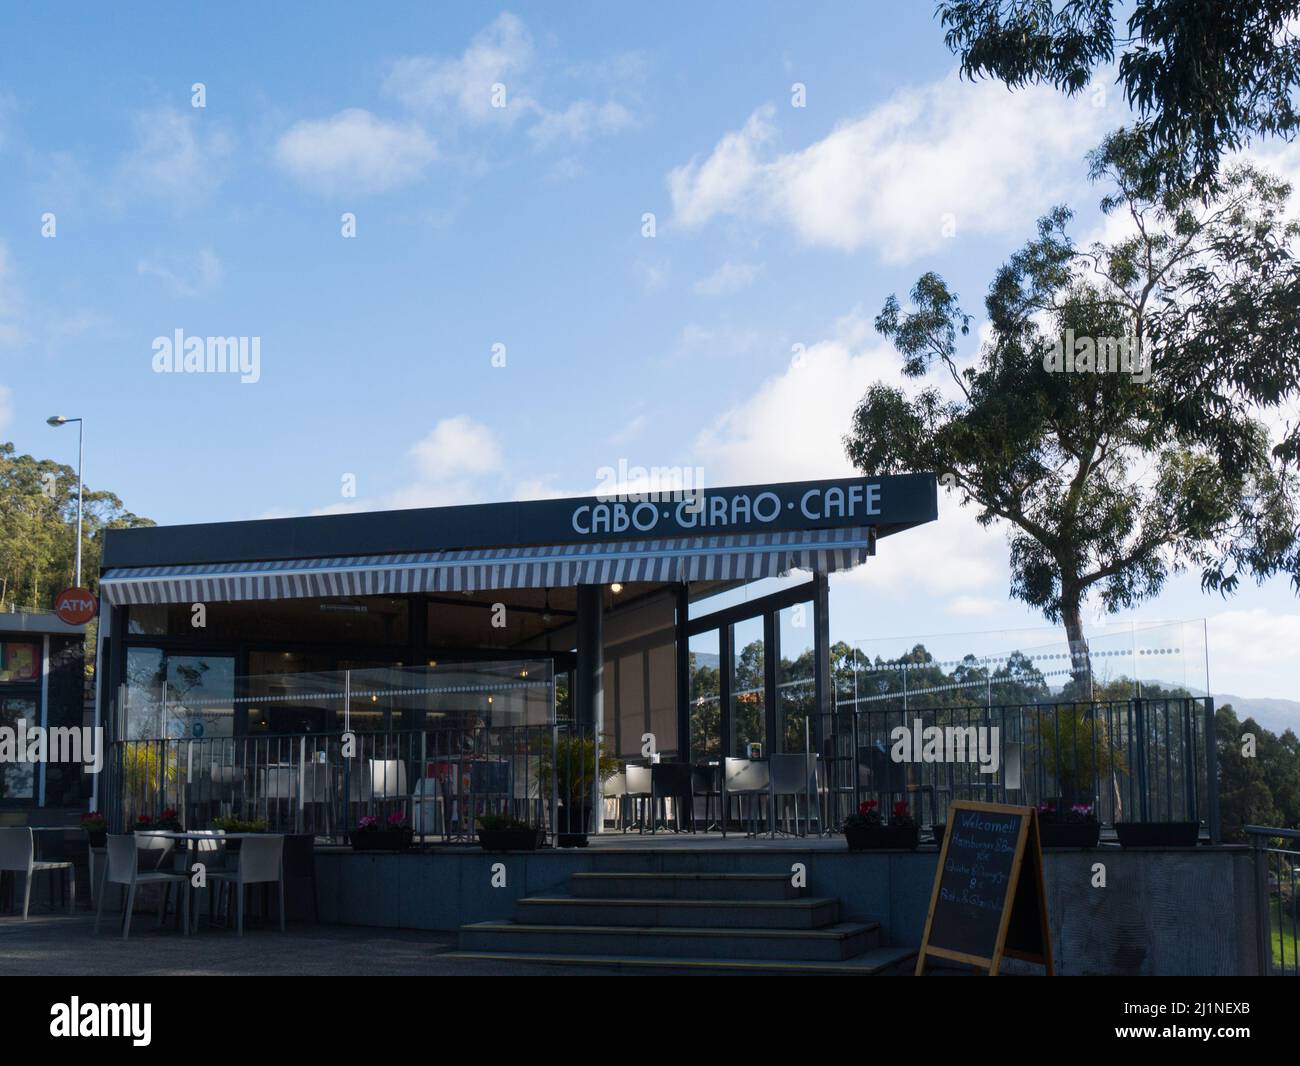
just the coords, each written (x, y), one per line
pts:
(56, 421)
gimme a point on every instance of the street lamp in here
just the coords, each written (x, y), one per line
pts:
(56, 421)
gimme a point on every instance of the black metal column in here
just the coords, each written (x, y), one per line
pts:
(823, 723)
(589, 687)
(683, 675)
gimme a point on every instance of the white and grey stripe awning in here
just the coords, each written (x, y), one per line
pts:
(741, 557)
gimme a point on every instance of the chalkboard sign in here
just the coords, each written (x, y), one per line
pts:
(988, 900)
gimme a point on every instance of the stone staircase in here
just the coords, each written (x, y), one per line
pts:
(684, 923)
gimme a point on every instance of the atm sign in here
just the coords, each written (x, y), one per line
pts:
(75, 606)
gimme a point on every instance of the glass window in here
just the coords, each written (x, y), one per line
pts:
(748, 703)
(178, 695)
(17, 779)
(796, 696)
(19, 661)
(706, 705)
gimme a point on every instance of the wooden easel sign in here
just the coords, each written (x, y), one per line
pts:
(988, 900)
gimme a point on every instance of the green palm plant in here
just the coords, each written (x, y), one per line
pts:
(1076, 749)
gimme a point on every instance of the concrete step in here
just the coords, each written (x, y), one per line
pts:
(807, 913)
(683, 886)
(835, 943)
(870, 963)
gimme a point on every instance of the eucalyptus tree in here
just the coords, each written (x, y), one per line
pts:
(1204, 77)
(1110, 479)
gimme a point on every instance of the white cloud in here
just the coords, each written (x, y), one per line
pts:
(985, 159)
(184, 276)
(457, 447)
(1253, 647)
(175, 159)
(973, 606)
(580, 121)
(791, 428)
(354, 151)
(728, 278)
(728, 179)
(498, 54)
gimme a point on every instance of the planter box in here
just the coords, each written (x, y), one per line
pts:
(1069, 834)
(97, 838)
(1157, 834)
(904, 837)
(381, 839)
(511, 839)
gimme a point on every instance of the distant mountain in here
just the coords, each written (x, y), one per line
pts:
(1275, 715)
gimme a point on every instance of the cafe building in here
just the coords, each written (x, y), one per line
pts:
(685, 626)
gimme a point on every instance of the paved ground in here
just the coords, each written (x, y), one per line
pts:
(60, 944)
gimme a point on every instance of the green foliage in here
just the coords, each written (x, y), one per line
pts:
(231, 824)
(495, 823)
(574, 760)
(1204, 78)
(38, 521)
(1263, 789)
(1212, 294)
(1076, 749)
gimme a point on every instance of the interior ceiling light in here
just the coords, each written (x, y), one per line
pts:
(546, 607)
(616, 588)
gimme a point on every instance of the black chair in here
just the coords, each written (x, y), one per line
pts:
(300, 864)
(706, 781)
(673, 780)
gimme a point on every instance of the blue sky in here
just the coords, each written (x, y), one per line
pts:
(735, 339)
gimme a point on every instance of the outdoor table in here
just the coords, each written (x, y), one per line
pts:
(188, 836)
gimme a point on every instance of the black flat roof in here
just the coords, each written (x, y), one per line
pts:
(888, 503)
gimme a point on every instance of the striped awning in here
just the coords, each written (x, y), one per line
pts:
(744, 557)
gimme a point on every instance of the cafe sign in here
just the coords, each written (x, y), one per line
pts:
(750, 509)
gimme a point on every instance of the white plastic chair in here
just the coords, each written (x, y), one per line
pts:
(123, 868)
(261, 861)
(614, 790)
(640, 790)
(18, 855)
(744, 778)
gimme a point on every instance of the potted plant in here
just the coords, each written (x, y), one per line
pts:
(394, 834)
(572, 761)
(1075, 826)
(230, 824)
(95, 826)
(866, 831)
(1076, 751)
(1157, 834)
(503, 832)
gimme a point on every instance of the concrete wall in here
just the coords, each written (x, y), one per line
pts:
(1163, 911)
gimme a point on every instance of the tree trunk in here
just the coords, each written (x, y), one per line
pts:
(1080, 662)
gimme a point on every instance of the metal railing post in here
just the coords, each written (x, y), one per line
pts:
(1212, 772)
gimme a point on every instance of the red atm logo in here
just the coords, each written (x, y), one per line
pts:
(75, 606)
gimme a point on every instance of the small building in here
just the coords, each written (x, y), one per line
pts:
(42, 685)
